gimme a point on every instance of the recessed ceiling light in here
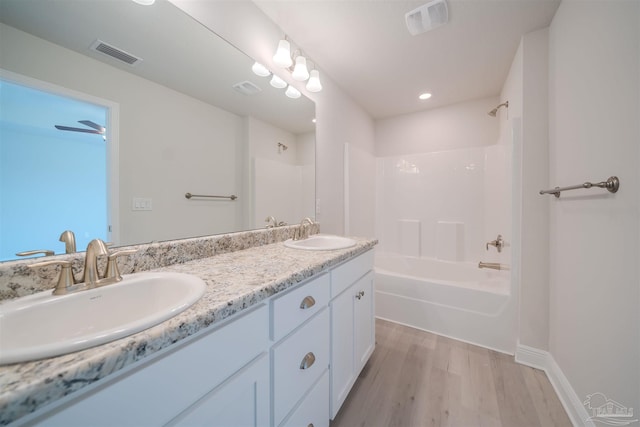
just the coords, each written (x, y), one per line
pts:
(425, 95)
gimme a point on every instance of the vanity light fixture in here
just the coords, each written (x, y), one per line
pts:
(314, 85)
(277, 82)
(260, 69)
(300, 72)
(292, 92)
(282, 57)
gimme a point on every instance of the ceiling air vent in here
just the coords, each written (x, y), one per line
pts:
(247, 88)
(427, 17)
(114, 52)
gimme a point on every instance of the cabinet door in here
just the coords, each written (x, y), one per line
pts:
(342, 361)
(364, 322)
(157, 389)
(242, 400)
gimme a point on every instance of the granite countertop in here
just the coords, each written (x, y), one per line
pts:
(235, 281)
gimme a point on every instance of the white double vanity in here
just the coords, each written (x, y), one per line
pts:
(278, 339)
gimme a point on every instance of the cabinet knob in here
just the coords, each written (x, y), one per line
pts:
(307, 302)
(308, 360)
(310, 425)
(360, 294)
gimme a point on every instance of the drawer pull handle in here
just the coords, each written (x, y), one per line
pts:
(307, 302)
(308, 360)
(360, 294)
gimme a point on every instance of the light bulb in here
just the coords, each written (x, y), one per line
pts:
(292, 92)
(260, 69)
(283, 54)
(300, 72)
(277, 82)
(313, 85)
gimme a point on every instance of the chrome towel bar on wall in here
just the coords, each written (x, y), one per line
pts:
(189, 196)
(612, 185)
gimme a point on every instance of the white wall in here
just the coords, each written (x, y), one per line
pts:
(594, 106)
(264, 139)
(360, 191)
(170, 144)
(282, 180)
(460, 125)
(339, 119)
(525, 88)
(534, 279)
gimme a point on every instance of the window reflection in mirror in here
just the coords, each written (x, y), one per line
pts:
(52, 178)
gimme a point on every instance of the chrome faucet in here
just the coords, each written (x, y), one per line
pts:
(95, 248)
(498, 243)
(69, 240)
(271, 221)
(91, 277)
(302, 232)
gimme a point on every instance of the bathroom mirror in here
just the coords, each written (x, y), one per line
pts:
(182, 127)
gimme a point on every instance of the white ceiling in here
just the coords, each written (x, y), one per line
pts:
(365, 47)
(177, 52)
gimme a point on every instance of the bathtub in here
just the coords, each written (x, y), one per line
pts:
(454, 299)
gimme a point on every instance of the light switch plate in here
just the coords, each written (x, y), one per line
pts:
(141, 204)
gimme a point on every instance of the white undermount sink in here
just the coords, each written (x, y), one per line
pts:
(43, 325)
(321, 242)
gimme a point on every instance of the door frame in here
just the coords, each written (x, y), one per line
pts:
(112, 126)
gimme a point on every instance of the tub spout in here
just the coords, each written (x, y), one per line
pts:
(493, 265)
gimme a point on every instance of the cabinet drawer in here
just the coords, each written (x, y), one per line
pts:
(343, 276)
(293, 308)
(314, 409)
(291, 379)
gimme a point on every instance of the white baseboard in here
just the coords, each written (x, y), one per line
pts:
(533, 357)
(543, 360)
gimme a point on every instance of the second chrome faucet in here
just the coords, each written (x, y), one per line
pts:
(302, 231)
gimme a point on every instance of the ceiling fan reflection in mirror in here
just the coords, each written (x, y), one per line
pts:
(95, 128)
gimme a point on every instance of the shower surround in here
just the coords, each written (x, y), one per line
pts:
(440, 209)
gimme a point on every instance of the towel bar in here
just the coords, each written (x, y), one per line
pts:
(612, 185)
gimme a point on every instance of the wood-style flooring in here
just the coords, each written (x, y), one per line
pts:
(419, 379)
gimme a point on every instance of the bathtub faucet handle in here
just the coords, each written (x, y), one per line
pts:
(498, 243)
